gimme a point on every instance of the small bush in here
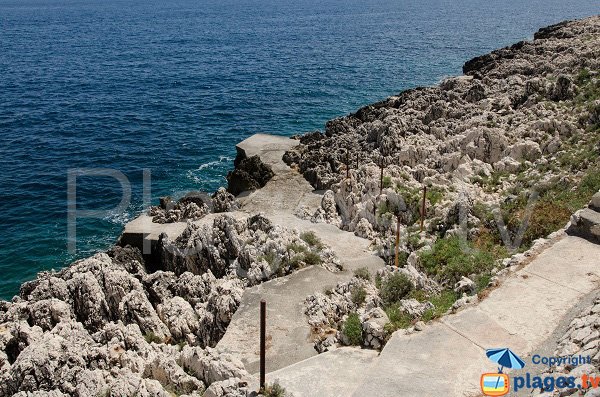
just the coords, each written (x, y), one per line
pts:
(378, 281)
(269, 257)
(311, 239)
(312, 258)
(353, 329)
(358, 295)
(274, 390)
(363, 272)
(441, 303)
(450, 259)
(297, 248)
(399, 319)
(387, 181)
(394, 288)
(152, 337)
(434, 195)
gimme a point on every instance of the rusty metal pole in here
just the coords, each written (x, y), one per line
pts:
(347, 164)
(381, 178)
(263, 341)
(423, 207)
(397, 238)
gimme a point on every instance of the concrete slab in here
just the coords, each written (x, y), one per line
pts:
(347, 366)
(432, 363)
(577, 269)
(143, 225)
(481, 328)
(288, 333)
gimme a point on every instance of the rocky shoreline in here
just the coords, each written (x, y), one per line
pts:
(522, 119)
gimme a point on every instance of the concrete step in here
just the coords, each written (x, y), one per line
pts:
(336, 373)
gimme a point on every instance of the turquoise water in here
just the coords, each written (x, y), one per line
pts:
(172, 85)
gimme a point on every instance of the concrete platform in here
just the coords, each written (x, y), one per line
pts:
(348, 365)
(448, 357)
(289, 334)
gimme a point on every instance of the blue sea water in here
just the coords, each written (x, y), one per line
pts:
(172, 85)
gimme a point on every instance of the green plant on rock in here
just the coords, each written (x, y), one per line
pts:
(358, 294)
(297, 248)
(442, 302)
(363, 272)
(312, 239)
(399, 319)
(353, 329)
(387, 182)
(434, 195)
(394, 288)
(152, 337)
(312, 258)
(274, 390)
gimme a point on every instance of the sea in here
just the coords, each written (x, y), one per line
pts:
(171, 86)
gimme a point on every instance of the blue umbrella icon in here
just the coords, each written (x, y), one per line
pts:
(505, 357)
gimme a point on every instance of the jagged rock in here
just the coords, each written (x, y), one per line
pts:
(415, 308)
(328, 211)
(563, 89)
(210, 365)
(228, 388)
(465, 285)
(585, 223)
(191, 207)
(595, 202)
(250, 173)
(373, 323)
(223, 201)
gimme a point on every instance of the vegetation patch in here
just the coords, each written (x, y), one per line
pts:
(274, 390)
(363, 272)
(152, 337)
(312, 240)
(358, 295)
(353, 329)
(442, 302)
(399, 319)
(394, 288)
(452, 258)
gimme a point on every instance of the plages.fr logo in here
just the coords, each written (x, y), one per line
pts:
(500, 384)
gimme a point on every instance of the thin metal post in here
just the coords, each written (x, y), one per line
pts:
(263, 344)
(347, 164)
(397, 238)
(423, 207)
(381, 178)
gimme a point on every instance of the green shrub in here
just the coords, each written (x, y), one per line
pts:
(297, 248)
(378, 281)
(394, 288)
(387, 181)
(451, 258)
(274, 390)
(353, 329)
(312, 258)
(358, 295)
(434, 195)
(152, 337)
(363, 272)
(441, 302)
(399, 319)
(311, 239)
